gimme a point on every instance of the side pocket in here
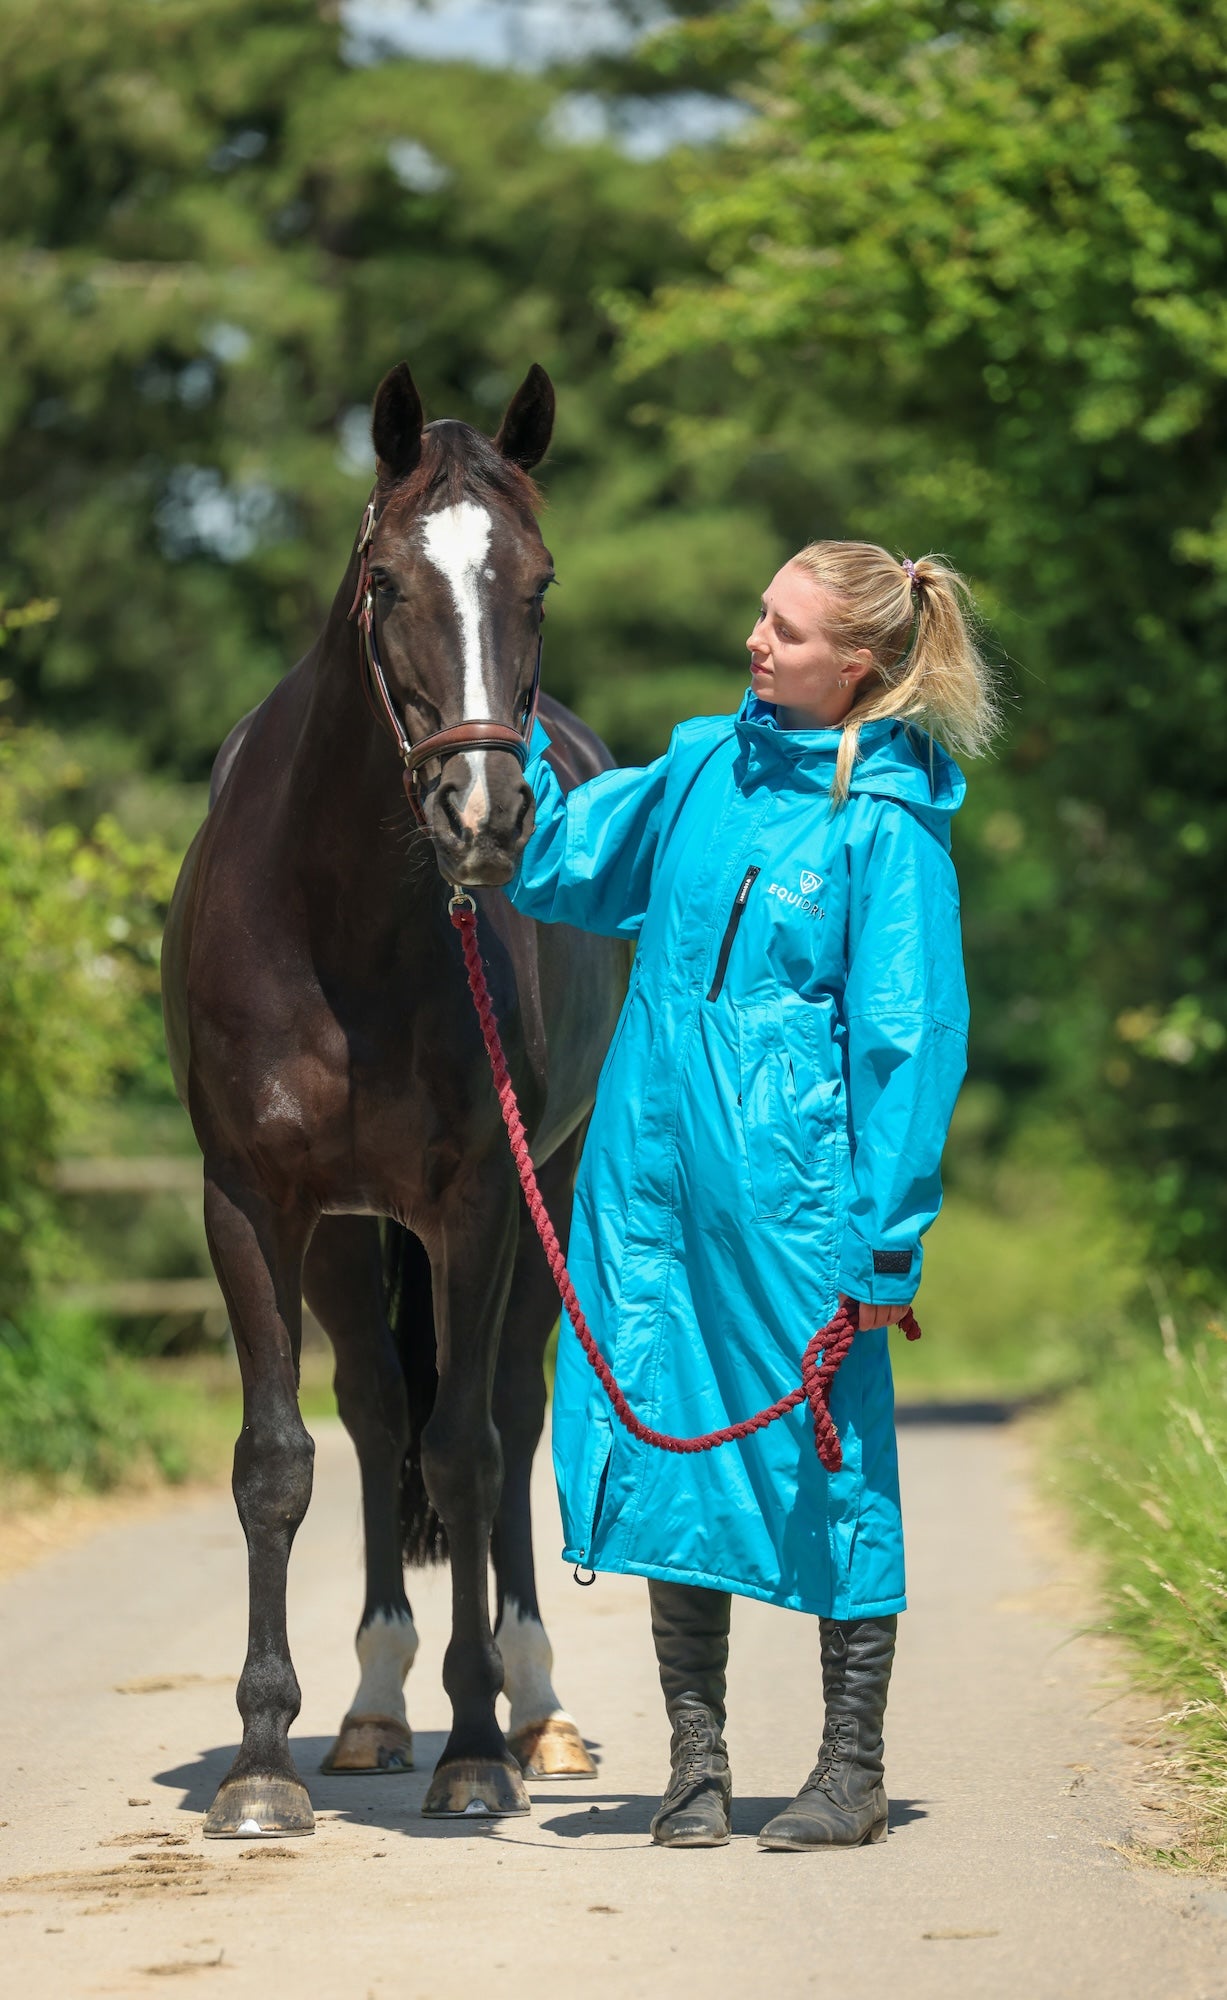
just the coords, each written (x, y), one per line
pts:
(772, 1139)
(594, 1512)
(790, 1107)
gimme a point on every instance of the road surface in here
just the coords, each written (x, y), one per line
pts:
(1017, 1792)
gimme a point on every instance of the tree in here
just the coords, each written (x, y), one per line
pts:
(217, 230)
(973, 254)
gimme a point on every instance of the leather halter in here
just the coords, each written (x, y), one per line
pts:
(481, 733)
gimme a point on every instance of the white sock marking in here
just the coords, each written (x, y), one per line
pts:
(527, 1663)
(386, 1651)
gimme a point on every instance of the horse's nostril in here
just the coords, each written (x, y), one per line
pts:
(447, 805)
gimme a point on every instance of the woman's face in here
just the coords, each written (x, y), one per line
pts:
(793, 660)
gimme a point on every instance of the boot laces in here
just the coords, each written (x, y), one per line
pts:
(819, 1779)
(693, 1748)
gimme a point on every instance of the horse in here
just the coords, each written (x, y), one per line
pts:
(322, 1039)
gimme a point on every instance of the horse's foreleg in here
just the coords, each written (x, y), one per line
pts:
(343, 1285)
(543, 1736)
(257, 1253)
(472, 1263)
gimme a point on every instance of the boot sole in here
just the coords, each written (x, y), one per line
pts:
(781, 1844)
(694, 1840)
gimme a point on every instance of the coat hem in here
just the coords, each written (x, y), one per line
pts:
(881, 1607)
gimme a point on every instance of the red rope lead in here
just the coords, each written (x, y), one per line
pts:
(831, 1341)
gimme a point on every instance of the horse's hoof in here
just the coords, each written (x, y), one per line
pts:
(474, 1788)
(259, 1808)
(370, 1744)
(551, 1749)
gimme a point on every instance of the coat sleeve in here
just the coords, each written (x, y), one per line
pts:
(905, 1006)
(590, 857)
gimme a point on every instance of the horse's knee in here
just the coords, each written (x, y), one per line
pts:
(273, 1468)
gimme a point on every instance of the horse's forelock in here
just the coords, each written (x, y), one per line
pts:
(458, 463)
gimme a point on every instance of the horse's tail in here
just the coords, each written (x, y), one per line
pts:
(410, 1308)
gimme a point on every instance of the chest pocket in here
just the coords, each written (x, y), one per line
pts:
(792, 1107)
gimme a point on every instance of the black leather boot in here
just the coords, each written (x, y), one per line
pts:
(690, 1627)
(843, 1801)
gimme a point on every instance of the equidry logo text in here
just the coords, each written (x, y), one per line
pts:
(799, 899)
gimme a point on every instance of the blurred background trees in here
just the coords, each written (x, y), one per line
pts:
(975, 255)
(948, 276)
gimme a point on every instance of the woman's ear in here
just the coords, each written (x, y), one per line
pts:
(858, 664)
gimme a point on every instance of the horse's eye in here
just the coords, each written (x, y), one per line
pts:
(382, 581)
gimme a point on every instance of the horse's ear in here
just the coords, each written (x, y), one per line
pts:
(396, 424)
(524, 434)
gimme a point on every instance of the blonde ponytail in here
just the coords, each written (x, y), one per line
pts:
(918, 622)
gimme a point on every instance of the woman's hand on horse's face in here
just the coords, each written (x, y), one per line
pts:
(872, 1316)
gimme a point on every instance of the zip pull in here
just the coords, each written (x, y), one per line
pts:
(730, 930)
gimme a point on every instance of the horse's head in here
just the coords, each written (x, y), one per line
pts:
(457, 575)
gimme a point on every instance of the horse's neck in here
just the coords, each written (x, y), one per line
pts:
(352, 820)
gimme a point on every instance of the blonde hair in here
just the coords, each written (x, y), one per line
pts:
(918, 621)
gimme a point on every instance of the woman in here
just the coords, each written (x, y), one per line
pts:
(766, 1139)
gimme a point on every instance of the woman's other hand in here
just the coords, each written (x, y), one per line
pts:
(872, 1316)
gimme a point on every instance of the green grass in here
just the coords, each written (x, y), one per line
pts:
(73, 1413)
(77, 1416)
(1141, 1457)
(1028, 1281)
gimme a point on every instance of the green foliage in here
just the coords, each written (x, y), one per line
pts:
(79, 927)
(215, 236)
(1029, 1282)
(72, 1412)
(1143, 1454)
(965, 290)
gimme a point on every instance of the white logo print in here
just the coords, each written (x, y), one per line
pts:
(809, 882)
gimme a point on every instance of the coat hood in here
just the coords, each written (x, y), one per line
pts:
(894, 762)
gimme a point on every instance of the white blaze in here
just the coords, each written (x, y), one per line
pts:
(386, 1649)
(527, 1663)
(456, 540)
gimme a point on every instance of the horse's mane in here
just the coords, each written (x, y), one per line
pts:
(459, 463)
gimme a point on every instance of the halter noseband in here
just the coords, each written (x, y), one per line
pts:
(478, 734)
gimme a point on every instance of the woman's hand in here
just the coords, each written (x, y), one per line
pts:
(872, 1316)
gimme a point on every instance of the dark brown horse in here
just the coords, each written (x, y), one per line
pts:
(323, 1040)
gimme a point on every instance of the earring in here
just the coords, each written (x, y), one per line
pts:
(843, 684)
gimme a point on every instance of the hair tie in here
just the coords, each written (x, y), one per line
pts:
(910, 568)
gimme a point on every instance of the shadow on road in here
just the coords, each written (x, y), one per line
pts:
(611, 1814)
(393, 1803)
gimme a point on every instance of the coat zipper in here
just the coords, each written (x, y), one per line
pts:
(730, 930)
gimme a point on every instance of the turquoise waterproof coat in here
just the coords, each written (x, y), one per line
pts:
(767, 1133)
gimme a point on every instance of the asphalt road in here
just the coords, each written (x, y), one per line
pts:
(1017, 1790)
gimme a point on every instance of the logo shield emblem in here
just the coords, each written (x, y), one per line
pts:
(809, 882)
